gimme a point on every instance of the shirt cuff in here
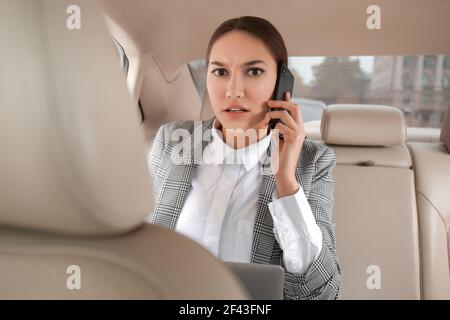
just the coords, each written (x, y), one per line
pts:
(295, 213)
(293, 220)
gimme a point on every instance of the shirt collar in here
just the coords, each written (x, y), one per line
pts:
(218, 152)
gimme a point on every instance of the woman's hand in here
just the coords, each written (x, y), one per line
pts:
(289, 147)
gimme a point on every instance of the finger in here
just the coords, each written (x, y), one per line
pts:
(287, 96)
(288, 133)
(284, 130)
(281, 104)
(283, 116)
(292, 108)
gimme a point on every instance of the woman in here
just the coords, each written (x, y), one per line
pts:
(214, 187)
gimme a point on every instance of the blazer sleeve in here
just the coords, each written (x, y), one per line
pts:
(156, 151)
(322, 278)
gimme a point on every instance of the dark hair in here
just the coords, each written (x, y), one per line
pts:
(257, 27)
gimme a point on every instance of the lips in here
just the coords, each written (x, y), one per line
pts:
(236, 108)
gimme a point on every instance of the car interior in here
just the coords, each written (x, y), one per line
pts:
(80, 109)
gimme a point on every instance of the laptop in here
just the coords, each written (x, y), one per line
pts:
(262, 281)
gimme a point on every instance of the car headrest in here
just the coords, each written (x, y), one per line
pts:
(445, 131)
(72, 151)
(362, 125)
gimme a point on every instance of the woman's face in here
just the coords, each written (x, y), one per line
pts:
(241, 79)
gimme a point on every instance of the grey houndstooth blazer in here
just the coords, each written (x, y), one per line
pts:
(172, 182)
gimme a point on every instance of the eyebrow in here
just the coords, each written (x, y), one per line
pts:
(247, 64)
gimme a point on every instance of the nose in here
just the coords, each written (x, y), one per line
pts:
(235, 87)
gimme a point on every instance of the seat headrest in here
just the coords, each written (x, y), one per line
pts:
(73, 153)
(445, 131)
(363, 125)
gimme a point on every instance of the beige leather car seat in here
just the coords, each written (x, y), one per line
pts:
(375, 205)
(74, 186)
(431, 163)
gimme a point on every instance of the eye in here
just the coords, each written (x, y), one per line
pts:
(254, 72)
(219, 72)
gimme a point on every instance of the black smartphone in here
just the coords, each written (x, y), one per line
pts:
(285, 83)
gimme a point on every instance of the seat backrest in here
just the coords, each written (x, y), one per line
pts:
(165, 100)
(375, 205)
(431, 163)
(74, 185)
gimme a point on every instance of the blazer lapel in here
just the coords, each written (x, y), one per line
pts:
(179, 178)
(263, 237)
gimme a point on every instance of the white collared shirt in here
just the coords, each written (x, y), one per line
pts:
(220, 209)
